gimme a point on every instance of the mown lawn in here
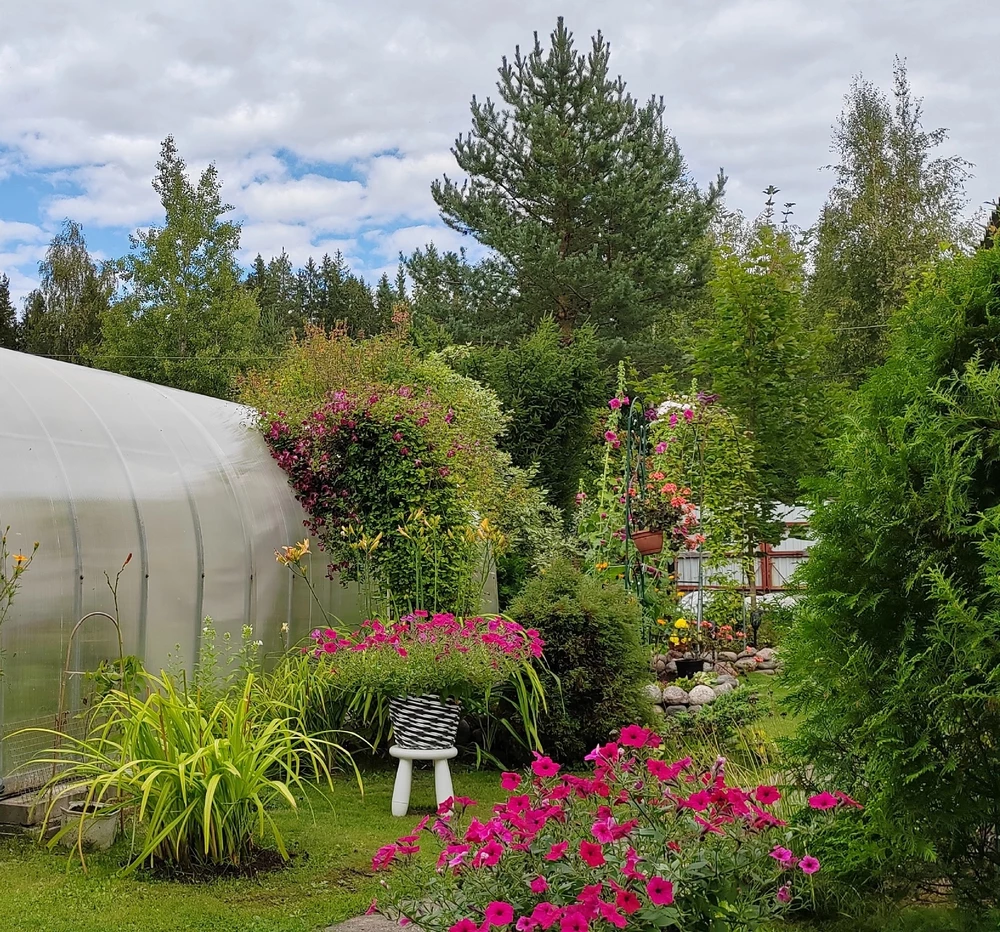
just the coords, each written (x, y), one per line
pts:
(330, 878)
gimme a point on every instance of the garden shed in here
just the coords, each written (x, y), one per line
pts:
(95, 466)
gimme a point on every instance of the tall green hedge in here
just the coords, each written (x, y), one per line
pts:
(896, 655)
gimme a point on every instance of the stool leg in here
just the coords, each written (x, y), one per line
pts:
(442, 781)
(401, 788)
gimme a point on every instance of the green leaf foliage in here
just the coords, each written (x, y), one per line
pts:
(552, 391)
(185, 320)
(592, 646)
(896, 655)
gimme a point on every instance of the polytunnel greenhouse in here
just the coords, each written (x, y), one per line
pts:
(95, 466)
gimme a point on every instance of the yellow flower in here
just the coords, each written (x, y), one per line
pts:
(681, 623)
(600, 566)
(19, 558)
(675, 640)
(289, 555)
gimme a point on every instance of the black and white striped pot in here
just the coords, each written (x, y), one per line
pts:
(423, 723)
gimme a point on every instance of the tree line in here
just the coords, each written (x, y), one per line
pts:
(601, 249)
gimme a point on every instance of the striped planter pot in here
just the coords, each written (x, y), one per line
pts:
(423, 723)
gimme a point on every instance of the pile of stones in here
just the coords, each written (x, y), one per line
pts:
(725, 672)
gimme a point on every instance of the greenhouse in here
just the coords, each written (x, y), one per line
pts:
(95, 467)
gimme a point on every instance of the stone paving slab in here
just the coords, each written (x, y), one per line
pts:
(365, 924)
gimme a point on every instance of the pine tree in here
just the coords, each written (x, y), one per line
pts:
(276, 290)
(891, 206)
(186, 319)
(9, 330)
(581, 192)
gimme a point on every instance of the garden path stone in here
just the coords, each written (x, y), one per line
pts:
(702, 695)
(674, 695)
(372, 923)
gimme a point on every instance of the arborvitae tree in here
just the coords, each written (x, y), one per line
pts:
(896, 654)
(891, 207)
(9, 330)
(186, 319)
(582, 193)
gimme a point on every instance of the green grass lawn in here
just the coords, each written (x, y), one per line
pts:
(330, 878)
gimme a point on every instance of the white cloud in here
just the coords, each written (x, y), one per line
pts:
(380, 90)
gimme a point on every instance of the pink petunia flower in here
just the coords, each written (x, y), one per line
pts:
(634, 736)
(660, 891)
(499, 913)
(784, 894)
(823, 800)
(464, 925)
(591, 853)
(627, 902)
(809, 865)
(539, 884)
(767, 795)
(510, 781)
(546, 915)
(557, 851)
(545, 766)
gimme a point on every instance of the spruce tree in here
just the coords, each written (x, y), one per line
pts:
(9, 330)
(186, 319)
(581, 192)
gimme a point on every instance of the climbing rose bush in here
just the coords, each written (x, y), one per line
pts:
(638, 843)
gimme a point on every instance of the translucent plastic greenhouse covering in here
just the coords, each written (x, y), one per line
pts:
(95, 466)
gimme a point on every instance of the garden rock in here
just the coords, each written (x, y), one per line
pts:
(768, 672)
(731, 680)
(766, 654)
(747, 652)
(675, 709)
(730, 656)
(702, 695)
(674, 695)
(766, 665)
(372, 923)
(726, 669)
(721, 688)
(746, 664)
(653, 693)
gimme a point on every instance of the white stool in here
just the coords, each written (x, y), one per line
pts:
(404, 775)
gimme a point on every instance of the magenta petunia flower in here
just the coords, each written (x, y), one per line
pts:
(499, 913)
(510, 781)
(809, 865)
(634, 736)
(784, 894)
(823, 801)
(660, 891)
(767, 795)
(591, 853)
(545, 766)
(464, 925)
(539, 884)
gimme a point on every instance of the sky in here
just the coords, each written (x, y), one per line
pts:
(328, 120)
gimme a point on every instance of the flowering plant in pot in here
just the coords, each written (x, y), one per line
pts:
(425, 664)
(640, 843)
(662, 515)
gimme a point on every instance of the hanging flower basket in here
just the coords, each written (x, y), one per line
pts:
(423, 723)
(648, 542)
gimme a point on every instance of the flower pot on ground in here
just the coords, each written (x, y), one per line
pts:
(688, 668)
(648, 542)
(424, 723)
(99, 823)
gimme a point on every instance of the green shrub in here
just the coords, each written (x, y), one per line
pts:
(895, 655)
(592, 647)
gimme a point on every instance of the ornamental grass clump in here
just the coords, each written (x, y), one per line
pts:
(639, 843)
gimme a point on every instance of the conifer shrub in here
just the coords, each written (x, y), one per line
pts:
(592, 647)
(895, 656)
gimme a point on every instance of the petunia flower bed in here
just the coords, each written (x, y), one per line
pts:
(421, 653)
(638, 842)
